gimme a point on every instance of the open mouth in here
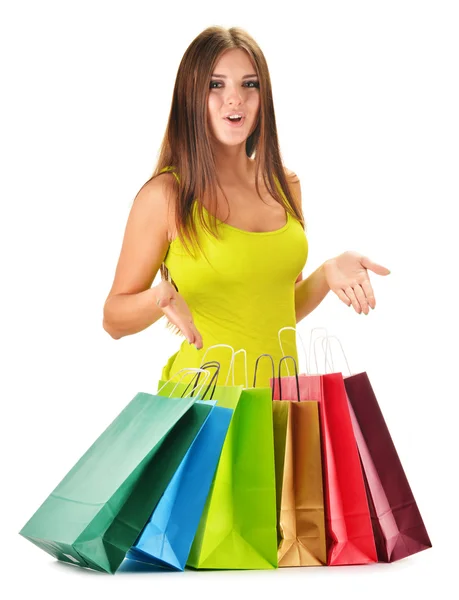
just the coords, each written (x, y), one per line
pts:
(235, 122)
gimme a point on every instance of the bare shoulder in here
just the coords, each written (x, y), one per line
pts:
(294, 184)
(158, 192)
(291, 176)
(146, 237)
(157, 199)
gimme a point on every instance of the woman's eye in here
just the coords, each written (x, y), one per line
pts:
(256, 84)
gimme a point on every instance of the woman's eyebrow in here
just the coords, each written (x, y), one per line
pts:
(225, 77)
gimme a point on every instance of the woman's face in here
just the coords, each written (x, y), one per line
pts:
(234, 86)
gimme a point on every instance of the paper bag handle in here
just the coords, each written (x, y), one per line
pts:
(181, 377)
(296, 377)
(330, 337)
(246, 371)
(302, 344)
(256, 368)
(207, 365)
(232, 358)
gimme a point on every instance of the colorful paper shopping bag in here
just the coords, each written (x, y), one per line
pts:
(349, 531)
(95, 514)
(398, 526)
(300, 496)
(238, 527)
(166, 539)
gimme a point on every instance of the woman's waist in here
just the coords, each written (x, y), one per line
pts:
(244, 319)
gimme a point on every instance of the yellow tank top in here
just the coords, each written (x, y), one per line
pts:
(242, 298)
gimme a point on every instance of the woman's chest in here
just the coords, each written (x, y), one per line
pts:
(242, 208)
(257, 261)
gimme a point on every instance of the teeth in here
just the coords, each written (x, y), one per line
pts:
(233, 117)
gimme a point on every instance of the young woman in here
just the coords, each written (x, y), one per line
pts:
(221, 219)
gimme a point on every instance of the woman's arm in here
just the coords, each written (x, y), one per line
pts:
(346, 275)
(131, 303)
(309, 292)
(125, 314)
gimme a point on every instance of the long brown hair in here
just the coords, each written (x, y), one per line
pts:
(186, 144)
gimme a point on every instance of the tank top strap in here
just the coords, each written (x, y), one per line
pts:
(173, 172)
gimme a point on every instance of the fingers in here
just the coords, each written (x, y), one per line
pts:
(366, 285)
(193, 336)
(357, 298)
(197, 338)
(362, 299)
(379, 269)
(184, 318)
(188, 328)
(350, 294)
(178, 313)
(342, 296)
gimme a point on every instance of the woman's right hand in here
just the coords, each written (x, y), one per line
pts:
(177, 312)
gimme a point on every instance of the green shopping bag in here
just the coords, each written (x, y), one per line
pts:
(95, 514)
(238, 527)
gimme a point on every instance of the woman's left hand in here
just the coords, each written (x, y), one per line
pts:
(347, 276)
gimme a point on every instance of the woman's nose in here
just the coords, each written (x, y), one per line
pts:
(234, 94)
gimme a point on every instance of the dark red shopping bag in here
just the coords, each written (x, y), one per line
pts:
(397, 523)
(349, 530)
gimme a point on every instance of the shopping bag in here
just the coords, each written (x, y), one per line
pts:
(397, 523)
(167, 537)
(97, 511)
(348, 526)
(237, 529)
(300, 497)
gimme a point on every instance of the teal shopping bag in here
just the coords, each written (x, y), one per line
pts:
(95, 514)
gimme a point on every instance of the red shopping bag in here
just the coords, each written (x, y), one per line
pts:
(397, 523)
(349, 531)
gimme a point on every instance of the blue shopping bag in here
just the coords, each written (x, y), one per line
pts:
(95, 514)
(168, 535)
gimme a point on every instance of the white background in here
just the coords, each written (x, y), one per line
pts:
(366, 97)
